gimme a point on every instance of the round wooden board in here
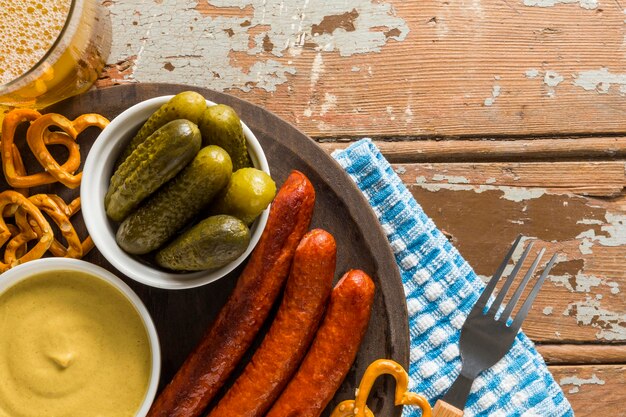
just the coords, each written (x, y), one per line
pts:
(181, 317)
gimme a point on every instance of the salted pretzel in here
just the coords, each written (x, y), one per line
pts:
(14, 232)
(14, 246)
(57, 248)
(11, 157)
(60, 213)
(30, 222)
(358, 406)
(21, 170)
(35, 136)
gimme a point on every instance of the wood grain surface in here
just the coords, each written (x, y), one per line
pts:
(392, 67)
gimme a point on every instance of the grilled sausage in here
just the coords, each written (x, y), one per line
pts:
(275, 361)
(333, 350)
(226, 340)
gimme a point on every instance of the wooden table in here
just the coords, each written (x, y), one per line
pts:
(501, 116)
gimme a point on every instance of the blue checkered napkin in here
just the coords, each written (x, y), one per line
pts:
(441, 289)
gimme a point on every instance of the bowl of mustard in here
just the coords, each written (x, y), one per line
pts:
(75, 340)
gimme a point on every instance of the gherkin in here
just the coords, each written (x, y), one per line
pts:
(173, 206)
(213, 243)
(220, 125)
(186, 105)
(154, 162)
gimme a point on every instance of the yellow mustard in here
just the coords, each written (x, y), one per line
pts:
(71, 345)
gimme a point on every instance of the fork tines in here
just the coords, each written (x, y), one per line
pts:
(508, 309)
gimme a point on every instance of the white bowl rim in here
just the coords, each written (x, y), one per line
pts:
(99, 227)
(39, 266)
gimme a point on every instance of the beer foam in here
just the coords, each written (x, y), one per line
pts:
(27, 30)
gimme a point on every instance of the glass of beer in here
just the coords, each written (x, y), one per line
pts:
(50, 50)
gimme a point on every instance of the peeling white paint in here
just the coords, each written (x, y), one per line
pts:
(516, 194)
(316, 69)
(532, 73)
(421, 180)
(401, 170)
(585, 4)
(552, 79)
(611, 325)
(490, 180)
(600, 80)
(356, 69)
(484, 278)
(201, 49)
(589, 221)
(495, 93)
(585, 246)
(578, 382)
(547, 310)
(452, 179)
(584, 283)
(330, 102)
(614, 229)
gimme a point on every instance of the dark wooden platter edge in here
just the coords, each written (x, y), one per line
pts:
(266, 124)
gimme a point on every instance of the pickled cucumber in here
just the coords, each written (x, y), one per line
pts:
(248, 193)
(158, 159)
(173, 206)
(211, 244)
(221, 126)
(186, 105)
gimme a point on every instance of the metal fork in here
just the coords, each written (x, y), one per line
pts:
(487, 336)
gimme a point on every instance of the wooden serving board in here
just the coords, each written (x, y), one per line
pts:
(182, 316)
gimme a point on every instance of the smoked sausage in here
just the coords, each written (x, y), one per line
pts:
(333, 350)
(226, 340)
(275, 361)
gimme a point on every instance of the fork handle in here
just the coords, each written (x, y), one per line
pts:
(443, 409)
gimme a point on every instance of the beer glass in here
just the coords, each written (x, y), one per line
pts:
(53, 49)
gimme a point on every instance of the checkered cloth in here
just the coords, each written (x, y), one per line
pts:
(441, 289)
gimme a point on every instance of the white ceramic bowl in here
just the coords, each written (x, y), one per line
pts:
(95, 182)
(27, 270)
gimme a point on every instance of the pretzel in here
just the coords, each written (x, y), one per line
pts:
(30, 223)
(35, 136)
(57, 249)
(10, 154)
(358, 406)
(14, 232)
(21, 170)
(60, 213)
(11, 258)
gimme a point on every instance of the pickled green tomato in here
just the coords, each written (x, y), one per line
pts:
(247, 194)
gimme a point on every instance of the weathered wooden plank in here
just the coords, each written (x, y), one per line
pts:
(589, 178)
(583, 300)
(390, 67)
(582, 354)
(563, 148)
(593, 390)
